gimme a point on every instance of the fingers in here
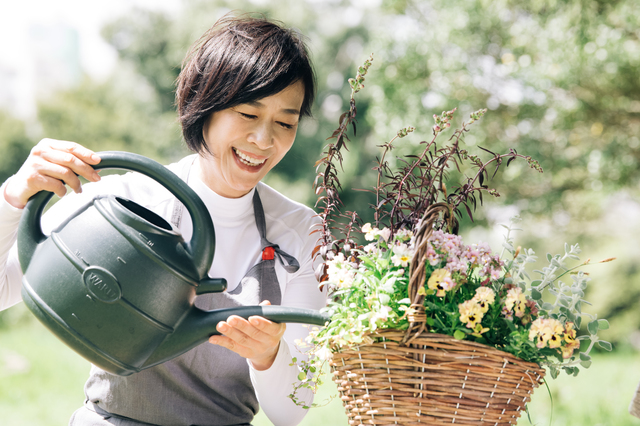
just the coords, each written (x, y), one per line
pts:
(74, 148)
(50, 165)
(68, 159)
(254, 333)
(255, 338)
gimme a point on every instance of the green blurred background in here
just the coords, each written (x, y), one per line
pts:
(559, 79)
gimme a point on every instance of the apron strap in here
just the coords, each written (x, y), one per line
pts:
(269, 250)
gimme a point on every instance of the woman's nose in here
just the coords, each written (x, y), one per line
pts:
(262, 136)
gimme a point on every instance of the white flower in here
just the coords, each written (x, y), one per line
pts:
(323, 353)
(370, 248)
(369, 232)
(342, 279)
(334, 266)
(404, 234)
(401, 255)
(379, 315)
(384, 233)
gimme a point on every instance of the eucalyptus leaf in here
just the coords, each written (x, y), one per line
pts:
(605, 345)
(584, 357)
(578, 291)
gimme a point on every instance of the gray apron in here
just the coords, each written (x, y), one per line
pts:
(208, 385)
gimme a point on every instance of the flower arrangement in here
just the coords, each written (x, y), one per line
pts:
(412, 273)
(470, 293)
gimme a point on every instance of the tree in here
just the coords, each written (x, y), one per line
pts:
(15, 145)
(119, 114)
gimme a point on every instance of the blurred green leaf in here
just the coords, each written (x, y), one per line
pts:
(605, 345)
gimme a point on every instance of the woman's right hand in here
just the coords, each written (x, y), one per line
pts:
(50, 165)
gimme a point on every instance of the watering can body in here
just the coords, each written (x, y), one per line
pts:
(117, 283)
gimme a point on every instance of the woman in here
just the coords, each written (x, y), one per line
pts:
(241, 92)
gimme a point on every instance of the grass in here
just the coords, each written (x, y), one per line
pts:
(41, 383)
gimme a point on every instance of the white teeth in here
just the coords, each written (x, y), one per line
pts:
(245, 159)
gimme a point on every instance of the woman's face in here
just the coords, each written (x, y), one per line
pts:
(248, 140)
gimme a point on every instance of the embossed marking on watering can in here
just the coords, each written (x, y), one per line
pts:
(102, 284)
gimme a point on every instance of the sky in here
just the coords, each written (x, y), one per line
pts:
(86, 17)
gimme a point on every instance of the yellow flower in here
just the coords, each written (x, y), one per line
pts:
(569, 332)
(570, 342)
(484, 297)
(440, 280)
(470, 313)
(555, 340)
(516, 301)
(546, 331)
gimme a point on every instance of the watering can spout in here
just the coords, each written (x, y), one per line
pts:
(199, 325)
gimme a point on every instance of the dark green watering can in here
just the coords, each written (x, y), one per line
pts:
(117, 283)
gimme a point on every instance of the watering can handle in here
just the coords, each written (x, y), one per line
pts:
(202, 244)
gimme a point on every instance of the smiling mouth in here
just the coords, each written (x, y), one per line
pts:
(249, 161)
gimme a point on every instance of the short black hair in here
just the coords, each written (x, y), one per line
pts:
(239, 60)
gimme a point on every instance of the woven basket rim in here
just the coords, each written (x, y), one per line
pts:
(441, 338)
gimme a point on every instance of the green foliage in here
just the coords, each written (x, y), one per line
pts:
(151, 42)
(14, 145)
(559, 76)
(119, 114)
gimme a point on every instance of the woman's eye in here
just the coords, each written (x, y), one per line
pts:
(286, 126)
(247, 115)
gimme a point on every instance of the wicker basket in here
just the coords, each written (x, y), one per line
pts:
(434, 380)
(415, 377)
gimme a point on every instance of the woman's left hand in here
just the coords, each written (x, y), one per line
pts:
(255, 338)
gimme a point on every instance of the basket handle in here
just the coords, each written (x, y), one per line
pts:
(417, 273)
